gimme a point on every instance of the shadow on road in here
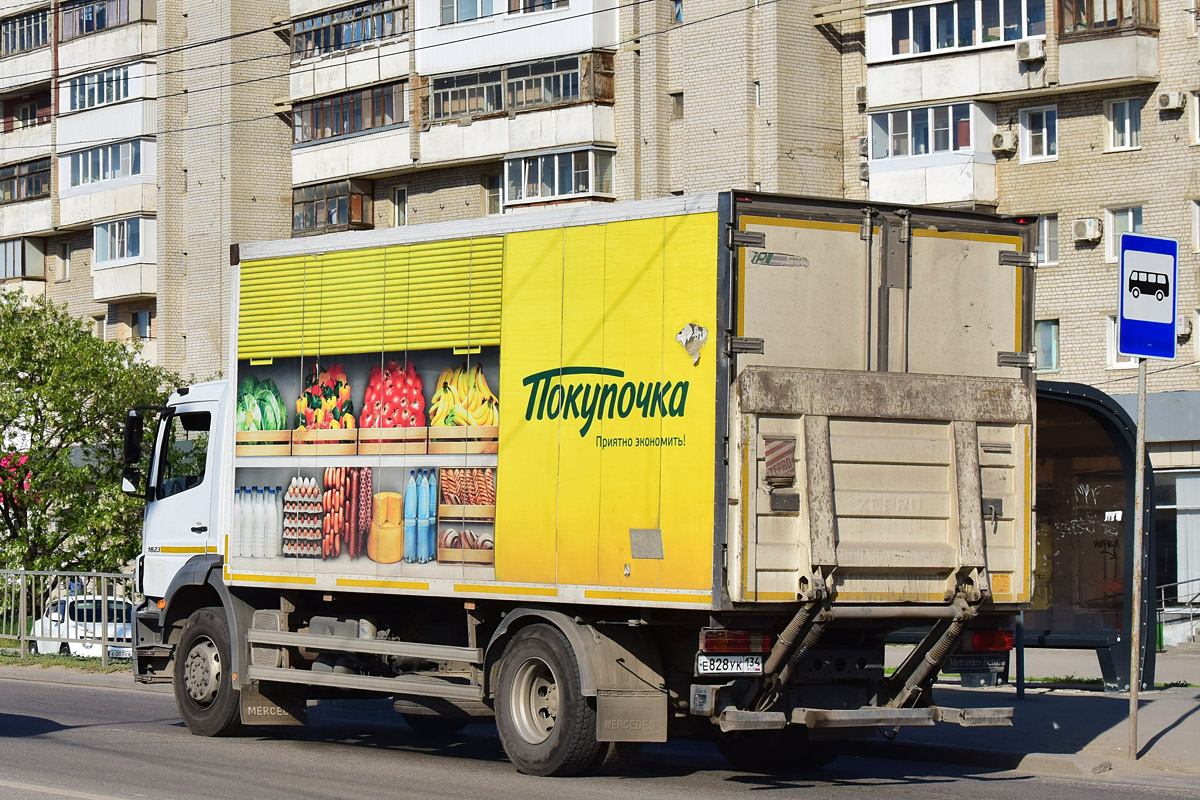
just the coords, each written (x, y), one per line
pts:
(21, 726)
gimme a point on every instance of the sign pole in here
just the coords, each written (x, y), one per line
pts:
(1139, 513)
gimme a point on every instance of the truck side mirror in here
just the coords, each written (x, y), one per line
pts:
(131, 479)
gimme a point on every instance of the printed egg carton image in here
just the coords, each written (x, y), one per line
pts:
(302, 519)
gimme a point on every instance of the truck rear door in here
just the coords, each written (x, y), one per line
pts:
(881, 444)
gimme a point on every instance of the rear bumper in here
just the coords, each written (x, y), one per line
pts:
(848, 719)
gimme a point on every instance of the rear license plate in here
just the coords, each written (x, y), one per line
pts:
(728, 665)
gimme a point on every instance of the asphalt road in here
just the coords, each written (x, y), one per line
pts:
(95, 743)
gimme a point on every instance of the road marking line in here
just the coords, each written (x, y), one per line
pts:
(34, 787)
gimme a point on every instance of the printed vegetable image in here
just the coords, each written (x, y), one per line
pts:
(325, 401)
(394, 398)
(259, 406)
(462, 397)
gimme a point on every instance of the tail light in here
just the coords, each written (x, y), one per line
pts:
(988, 642)
(725, 641)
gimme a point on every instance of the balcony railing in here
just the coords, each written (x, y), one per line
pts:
(1085, 18)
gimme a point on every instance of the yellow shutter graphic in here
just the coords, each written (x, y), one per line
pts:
(418, 297)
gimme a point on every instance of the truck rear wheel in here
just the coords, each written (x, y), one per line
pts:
(204, 693)
(547, 726)
(785, 750)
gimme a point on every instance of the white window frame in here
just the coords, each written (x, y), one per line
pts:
(20, 122)
(100, 326)
(1194, 210)
(135, 325)
(108, 162)
(65, 260)
(400, 206)
(498, 177)
(1056, 349)
(1047, 240)
(931, 128)
(118, 229)
(91, 90)
(527, 166)
(483, 9)
(1114, 359)
(1195, 117)
(1133, 125)
(977, 31)
(1137, 224)
(1028, 133)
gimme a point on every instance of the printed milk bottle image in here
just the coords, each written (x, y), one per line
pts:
(410, 518)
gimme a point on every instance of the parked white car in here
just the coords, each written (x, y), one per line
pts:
(74, 625)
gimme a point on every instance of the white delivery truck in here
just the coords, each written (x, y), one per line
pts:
(612, 473)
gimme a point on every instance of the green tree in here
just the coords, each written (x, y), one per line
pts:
(63, 398)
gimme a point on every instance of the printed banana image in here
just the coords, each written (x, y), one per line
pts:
(462, 397)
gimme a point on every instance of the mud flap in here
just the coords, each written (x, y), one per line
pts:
(274, 707)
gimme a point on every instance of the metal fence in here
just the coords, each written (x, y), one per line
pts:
(87, 614)
(1184, 608)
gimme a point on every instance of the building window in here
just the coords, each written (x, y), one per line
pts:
(22, 258)
(1115, 359)
(529, 6)
(1039, 134)
(1121, 220)
(25, 115)
(676, 105)
(139, 325)
(26, 181)
(106, 163)
(65, 261)
(543, 83)
(347, 27)
(352, 112)
(25, 32)
(335, 205)
(757, 94)
(100, 326)
(1045, 341)
(92, 16)
(676, 10)
(466, 10)
(1124, 124)
(99, 88)
(116, 240)
(1091, 16)
(964, 24)
(1047, 248)
(400, 206)
(559, 175)
(469, 94)
(493, 193)
(1195, 209)
(919, 131)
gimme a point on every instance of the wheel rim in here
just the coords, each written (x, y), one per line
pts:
(202, 671)
(1158, 295)
(1135, 292)
(534, 701)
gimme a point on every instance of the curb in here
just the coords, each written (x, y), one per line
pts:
(122, 681)
(1061, 764)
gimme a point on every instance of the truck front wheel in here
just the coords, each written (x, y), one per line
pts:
(204, 693)
(546, 725)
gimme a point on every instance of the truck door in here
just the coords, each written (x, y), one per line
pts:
(179, 515)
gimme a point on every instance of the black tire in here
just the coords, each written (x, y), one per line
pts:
(788, 750)
(547, 726)
(207, 701)
(615, 758)
(33, 647)
(434, 725)
(1136, 292)
(64, 649)
(1159, 295)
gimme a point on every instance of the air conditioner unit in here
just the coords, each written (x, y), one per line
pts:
(860, 95)
(864, 145)
(1031, 50)
(1171, 101)
(864, 172)
(1004, 142)
(1086, 230)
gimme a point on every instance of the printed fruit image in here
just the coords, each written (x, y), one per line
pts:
(462, 397)
(394, 398)
(259, 406)
(325, 401)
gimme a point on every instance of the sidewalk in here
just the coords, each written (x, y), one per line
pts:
(1069, 731)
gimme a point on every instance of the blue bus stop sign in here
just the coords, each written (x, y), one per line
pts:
(1149, 279)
